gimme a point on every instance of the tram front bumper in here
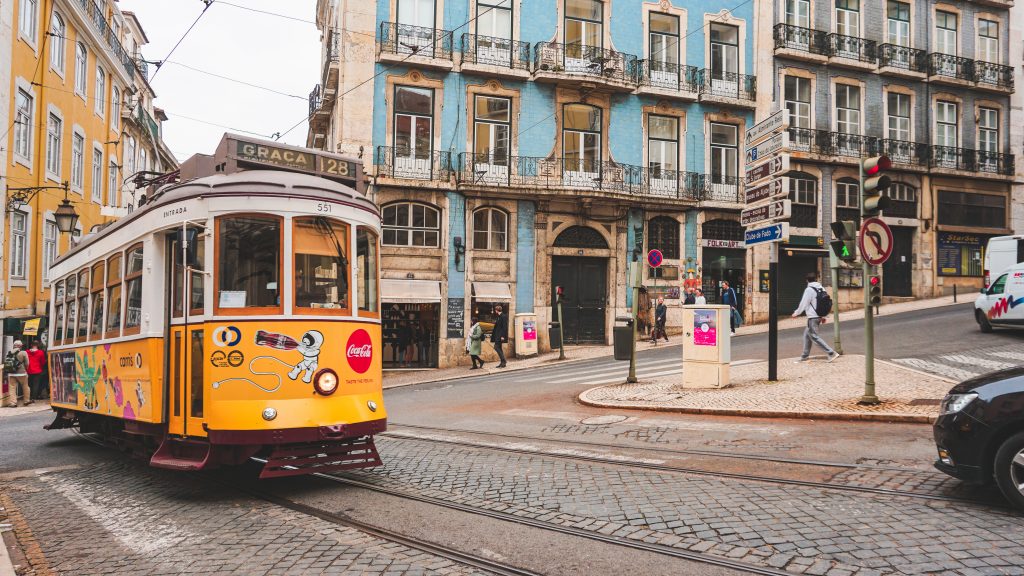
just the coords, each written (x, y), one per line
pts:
(276, 436)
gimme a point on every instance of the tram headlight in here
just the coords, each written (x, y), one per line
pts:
(325, 382)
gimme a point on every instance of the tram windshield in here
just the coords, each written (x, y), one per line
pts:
(321, 263)
(249, 262)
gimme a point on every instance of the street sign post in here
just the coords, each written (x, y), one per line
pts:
(772, 233)
(766, 148)
(778, 164)
(770, 189)
(777, 122)
(876, 241)
(770, 211)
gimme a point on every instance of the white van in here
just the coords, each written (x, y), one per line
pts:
(1001, 253)
(1002, 303)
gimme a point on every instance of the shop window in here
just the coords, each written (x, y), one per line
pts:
(412, 224)
(97, 294)
(490, 229)
(321, 263)
(969, 209)
(663, 235)
(249, 263)
(366, 261)
(410, 333)
(722, 230)
(114, 271)
(133, 290)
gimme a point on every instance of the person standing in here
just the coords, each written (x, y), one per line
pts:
(17, 365)
(404, 343)
(807, 306)
(690, 297)
(643, 312)
(475, 344)
(700, 300)
(660, 319)
(729, 298)
(36, 369)
(499, 334)
(425, 340)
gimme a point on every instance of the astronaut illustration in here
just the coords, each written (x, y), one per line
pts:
(309, 347)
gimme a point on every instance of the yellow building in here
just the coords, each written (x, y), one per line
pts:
(81, 117)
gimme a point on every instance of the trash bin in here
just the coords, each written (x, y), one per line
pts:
(555, 335)
(622, 335)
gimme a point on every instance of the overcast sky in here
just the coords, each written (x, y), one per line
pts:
(261, 49)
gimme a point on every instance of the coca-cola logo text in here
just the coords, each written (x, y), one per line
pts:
(359, 351)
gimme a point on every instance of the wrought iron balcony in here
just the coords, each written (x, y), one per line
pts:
(903, 58)
(949, 66)
(727, 85)
(316, 100)
(667, 76)
(722, 188)
(852, 48)
(583, 60)
(809, 140)
(903, 152)
(990, 75)
(99, 20)
(804, 216)
(408, 40)
(801, 39)
(492, 51)
(995, 163)
(404, 163)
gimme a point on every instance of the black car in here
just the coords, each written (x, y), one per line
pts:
(980, 432)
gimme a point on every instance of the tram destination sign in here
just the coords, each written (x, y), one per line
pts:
(777, 143)
(251, 153)
(777, 122)
(770, 189)
(779, 164)
(770, 211)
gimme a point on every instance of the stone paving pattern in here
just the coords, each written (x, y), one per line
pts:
(813, 389)
(124, 518)
(803, 530)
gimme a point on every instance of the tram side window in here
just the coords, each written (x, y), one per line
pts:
(249, 262)
(71, 302)
(58, 312)
(321, 263)
(113, 328)
(83, 306)
(366, 261)
(133, 289)
(98, 286)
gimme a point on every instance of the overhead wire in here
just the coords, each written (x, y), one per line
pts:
(207, 4)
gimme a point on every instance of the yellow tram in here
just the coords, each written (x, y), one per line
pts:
(231, 315)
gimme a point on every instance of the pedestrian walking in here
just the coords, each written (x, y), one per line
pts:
(474, 343)
(700, 300)
(660, 318)
(643, 312)
(16, 366)
(36, 370)
(816, 303)
(691, 298)
(499, 334)
(729, 298)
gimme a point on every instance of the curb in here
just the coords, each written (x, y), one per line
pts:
(507, 369)
(6, 563)
(918, 372)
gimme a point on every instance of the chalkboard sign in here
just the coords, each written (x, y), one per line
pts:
(456, 317)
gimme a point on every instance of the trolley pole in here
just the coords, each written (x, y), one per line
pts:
(833, 262)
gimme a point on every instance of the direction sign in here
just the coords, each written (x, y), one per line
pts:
(772, 233)
(875, 241)
(766, 148)
(770, 211)
(655, 258)
(777, 165)
(775, 123)
(770, 189)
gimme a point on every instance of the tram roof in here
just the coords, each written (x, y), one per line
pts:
(244, 183)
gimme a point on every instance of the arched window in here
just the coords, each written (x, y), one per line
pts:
(847, 193)
(902, 192)
(101, 91)
(804, 188)
(412, 224)
(58, 42)
(81, 58)
(581, 137)
(663, 235)
(580, 237)
(115, 107)
(490, 229)
(722, 230)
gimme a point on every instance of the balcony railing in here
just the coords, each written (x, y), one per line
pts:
(495, 52)
(895, 56)
(809, 140)
(142, 66)
(804, 216)
(802, 39)
(415, 40)
(580, 59)
(667, 75)
(951, 66)
(902, 151)
(995, 163)
(727, 84)
(852, 47)
(994, 75)
(721, 188)
(99, 20)
(952, 158)
(332, 49)
(404, 163)
(316, 100)
(145, 119)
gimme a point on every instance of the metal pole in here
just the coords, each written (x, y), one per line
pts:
(631, 379)
(561, 331)
(833, 262)
(869, 318)
(773, 313)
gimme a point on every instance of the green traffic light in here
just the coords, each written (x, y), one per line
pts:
(846, 251)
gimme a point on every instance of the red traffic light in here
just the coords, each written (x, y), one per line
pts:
(877, 164)
(875, 280)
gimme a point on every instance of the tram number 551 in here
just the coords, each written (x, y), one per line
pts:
(323, 207)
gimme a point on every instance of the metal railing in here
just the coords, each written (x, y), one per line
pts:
(799, 38)
(902, 151)
(142, 66)
(951, 66)
(810, 140)
(997, 75)
(495, 52)
(952, 158)
(994, 163)
(148, 123)
(721, 188)
(316, 99)
(852, 47)
(99, 19)
(416, 40)
(580, 59)
(727, 84)
(895, 56)
(667, 75)
(404, 163)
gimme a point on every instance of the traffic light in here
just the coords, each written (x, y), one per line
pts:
(844, 240)
(873, 184)
(875, 290)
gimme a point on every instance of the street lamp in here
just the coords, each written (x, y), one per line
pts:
(66, 217)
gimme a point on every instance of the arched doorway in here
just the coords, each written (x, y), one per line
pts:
(584, 280)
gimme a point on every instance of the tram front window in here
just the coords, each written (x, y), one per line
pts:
(321, 263)
(248, 261)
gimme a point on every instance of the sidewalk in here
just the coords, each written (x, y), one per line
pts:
(37, 406)
(816, 390)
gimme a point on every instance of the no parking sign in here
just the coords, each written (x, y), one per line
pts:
(655, 258)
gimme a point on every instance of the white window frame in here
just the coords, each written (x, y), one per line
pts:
(902, 192)
(490, 244)
(847, 116)
(801, 195)
(797, 13)
(82, 70)
(115, 108)
(29, 30)
(54, 146)
(412, 230)
(941, 33)
(943, 109)
(58, 44)
(892, 117)
(849, 190)
(112, 183)
(662, 152)
(77, 160)
(19, 268)
(97, 172)
(51, 246)
(848, 19)
(101, 92)
(990, 53)
(129, 156)
(24, 130)
(897, 31)
(800, 115)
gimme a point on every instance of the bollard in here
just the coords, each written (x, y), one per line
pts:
(954, 293)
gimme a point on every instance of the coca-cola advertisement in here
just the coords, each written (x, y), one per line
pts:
(359, 351)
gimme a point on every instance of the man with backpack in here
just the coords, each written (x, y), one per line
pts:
(817, 304)
(16, 367)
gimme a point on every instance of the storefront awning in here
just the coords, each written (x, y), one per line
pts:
(410, 291)
(491, 292)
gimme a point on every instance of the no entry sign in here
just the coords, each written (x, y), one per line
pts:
(655, 258)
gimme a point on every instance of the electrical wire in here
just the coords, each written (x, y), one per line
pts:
(235, 80)
(225, 126)
(277, 14)
(207, 3)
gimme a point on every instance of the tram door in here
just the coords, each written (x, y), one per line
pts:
(186, 342)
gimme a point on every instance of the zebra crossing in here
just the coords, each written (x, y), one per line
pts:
(968, 363)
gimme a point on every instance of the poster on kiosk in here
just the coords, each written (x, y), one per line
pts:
(706, 346)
